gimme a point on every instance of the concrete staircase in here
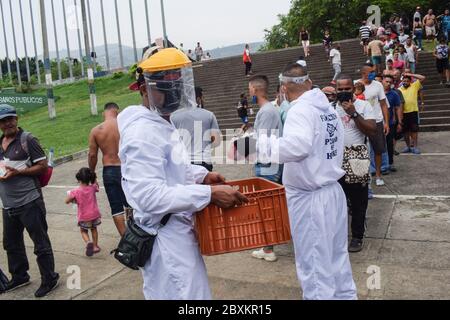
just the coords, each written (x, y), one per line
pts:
(223, 81)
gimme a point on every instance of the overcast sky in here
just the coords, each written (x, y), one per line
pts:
(214, 23)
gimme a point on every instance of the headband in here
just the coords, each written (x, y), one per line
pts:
(297, 80)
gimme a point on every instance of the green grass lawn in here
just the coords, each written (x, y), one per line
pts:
(69, 133)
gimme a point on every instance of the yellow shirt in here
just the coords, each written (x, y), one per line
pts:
(411, 96)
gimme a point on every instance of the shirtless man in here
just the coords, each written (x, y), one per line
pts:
(106, 138)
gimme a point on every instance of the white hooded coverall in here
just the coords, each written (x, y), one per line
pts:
(158, 179)
(312, 151)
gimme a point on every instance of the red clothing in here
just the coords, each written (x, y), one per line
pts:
(361, 97)
(86, 199)
(246, 57)
(399, 64)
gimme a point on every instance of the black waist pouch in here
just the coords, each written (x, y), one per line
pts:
(136, 246)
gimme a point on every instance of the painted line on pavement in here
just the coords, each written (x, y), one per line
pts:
(411, 197)
(427, 155)
(65, 187)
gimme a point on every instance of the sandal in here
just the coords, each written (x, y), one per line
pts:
(98, 250)
(90, 249)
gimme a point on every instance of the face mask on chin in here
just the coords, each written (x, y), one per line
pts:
(372, 76)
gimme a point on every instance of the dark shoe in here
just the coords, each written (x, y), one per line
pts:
(15, 284)
(397, 153)
(386, 172)
(90, 249)
(45, 289)
(393, 169)
(356, 245)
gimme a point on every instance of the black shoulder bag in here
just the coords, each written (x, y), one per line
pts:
(136, 246)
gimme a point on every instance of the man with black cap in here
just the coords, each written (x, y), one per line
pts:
(22, 161)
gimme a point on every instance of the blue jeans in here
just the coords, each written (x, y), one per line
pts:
(385, 164)
(419, 37)
(271, 172)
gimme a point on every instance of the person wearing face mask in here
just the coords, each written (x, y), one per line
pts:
(376, 96)
(162, 185)
(410, 91)
(268, 121)
(359, 123)
(312, 149)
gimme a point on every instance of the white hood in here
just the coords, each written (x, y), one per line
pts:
(312, 146)
(158, 177)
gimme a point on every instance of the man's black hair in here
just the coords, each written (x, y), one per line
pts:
(295, 70)
(344, 76)
(388, 76)
(368, 64)
(111, 106)
(262, 80)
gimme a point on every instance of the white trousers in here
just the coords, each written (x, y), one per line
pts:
(176, 270)
(319, 225)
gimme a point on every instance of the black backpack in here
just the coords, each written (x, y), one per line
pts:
(3, 282)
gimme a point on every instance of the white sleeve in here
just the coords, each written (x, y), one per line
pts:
(199, 173)
(146, 187)
(295, 146)
(381, 93)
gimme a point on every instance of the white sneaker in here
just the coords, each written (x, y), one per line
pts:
(262, 255)
(380, 182)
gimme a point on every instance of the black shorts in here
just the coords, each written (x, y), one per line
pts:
(365, 42)
(442, 65)
(112, 179)
(378, 142)
(411, 122)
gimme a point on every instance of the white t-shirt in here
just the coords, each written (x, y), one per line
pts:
(411, 53)
(354, 136)
(336, 55)
(403, 38)
(374, 94)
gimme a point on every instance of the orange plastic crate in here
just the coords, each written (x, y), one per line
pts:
(264, 221)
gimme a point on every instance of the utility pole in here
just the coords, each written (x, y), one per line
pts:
(8, 62)
(163, 15)
(90, 70)
(67, 40)
(108, 66)
(79, 38)
(36, 57)
(58, 60)
(27, 63)
(48, 71)
(91, 29)
(118, 35)
(19, 77)
(132, 31)
(147, 17)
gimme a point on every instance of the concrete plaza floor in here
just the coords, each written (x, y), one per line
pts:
(408, 242)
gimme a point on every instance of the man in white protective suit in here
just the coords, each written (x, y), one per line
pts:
(312, 149)
(158, 180)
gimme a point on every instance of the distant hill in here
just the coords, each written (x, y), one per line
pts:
(128, 53)
(235, 50)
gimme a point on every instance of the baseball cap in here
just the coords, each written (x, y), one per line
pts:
(7, 111)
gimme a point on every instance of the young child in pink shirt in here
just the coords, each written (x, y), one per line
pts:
(88, 212)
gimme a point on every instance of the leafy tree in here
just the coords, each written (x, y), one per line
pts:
(342, 18)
